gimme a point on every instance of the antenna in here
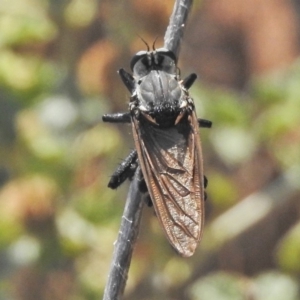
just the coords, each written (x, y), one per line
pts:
(148, 48)
(153, 46)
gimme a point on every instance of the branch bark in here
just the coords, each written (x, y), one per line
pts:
(125, 243)
(176, 26)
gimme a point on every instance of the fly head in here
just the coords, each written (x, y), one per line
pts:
(161, 59)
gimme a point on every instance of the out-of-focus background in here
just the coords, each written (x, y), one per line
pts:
(58, 219)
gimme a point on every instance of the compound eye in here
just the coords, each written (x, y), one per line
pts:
(138, 56)
(166, 60)
(168, 53)
(161, 59)
(141, 67)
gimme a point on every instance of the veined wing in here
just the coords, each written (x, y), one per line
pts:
(171, 162)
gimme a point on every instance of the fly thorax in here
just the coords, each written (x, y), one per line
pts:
(165, 114)
(160, 96)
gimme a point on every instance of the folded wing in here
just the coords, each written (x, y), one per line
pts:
(171, 162)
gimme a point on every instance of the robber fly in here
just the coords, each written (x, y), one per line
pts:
(168, 150)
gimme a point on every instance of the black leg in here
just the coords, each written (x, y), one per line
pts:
(125, 170)
(117, 118)
(204, 123)
(205, 182)
(142, 184)
(148, 201)
(126, 118)
(143, 188)
(188, 81)
(128, 80)
(205, 185)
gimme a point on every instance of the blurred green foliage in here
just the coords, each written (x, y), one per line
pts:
(225, 286)
(58, 219)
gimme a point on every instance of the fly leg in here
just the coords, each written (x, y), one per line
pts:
(117, 118)
(125, 170)
(205, 185)
(126, 118)
(204, 123)
(188, 81)
(143, 188)
(128, 167)
(128, 80)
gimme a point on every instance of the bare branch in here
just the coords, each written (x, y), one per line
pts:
(124, 245)
(177, 24)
